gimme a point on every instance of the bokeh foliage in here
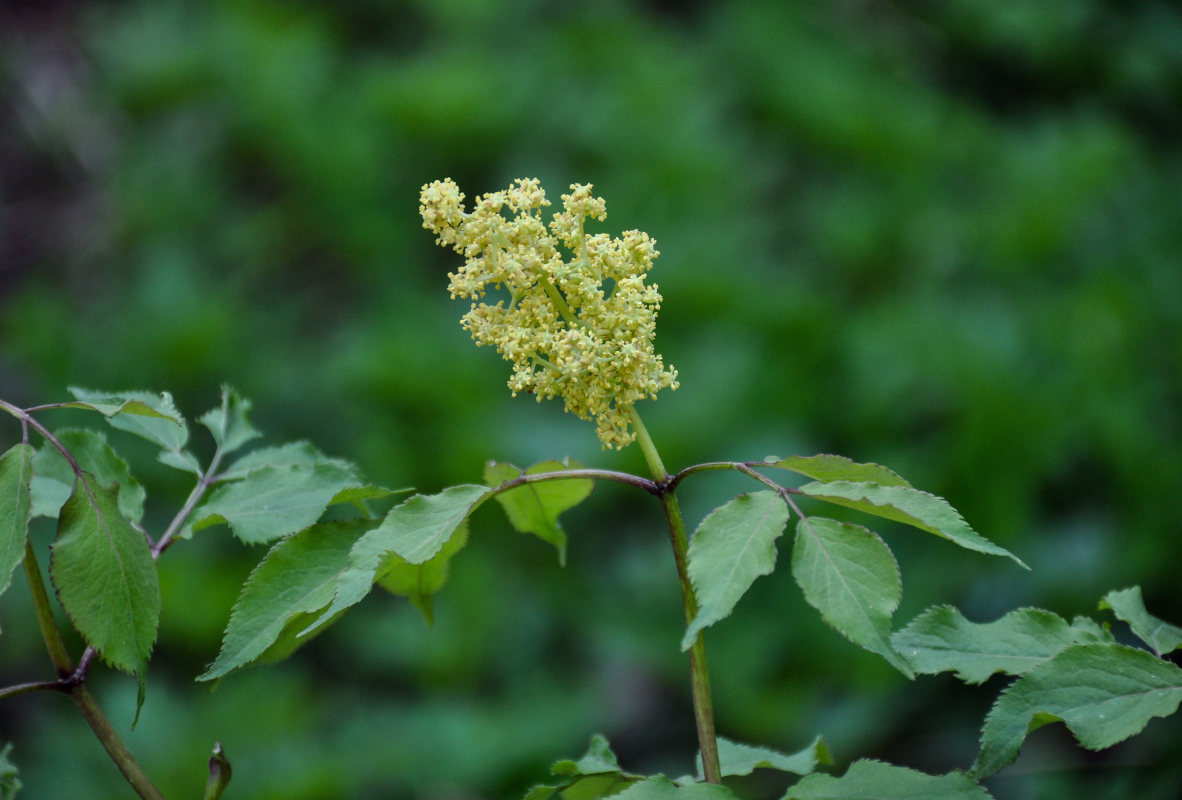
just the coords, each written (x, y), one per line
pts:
(940, 236)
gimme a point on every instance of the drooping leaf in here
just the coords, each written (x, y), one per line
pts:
(837, 468)
(298, 576)
(415, 530)
(1129, 607)
(874, 780)
(273, 501)
(54, 478)
(909, 506)
(743, 759)
(734, 545)
(229, 424)
(10, 784)
(849, 574)
(1103, 693)
(942, 640)
(105, 576)
(659, 787)
(16, 473)
(165, 427)
(535, 507)
(420, 582)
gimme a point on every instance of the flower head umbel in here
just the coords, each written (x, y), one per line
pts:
(580, 327)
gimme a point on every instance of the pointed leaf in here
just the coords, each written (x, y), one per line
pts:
(1129, 608)
(297, 576)
(110, 406)
(228, 424)
(292, 454)
(837, 468)
(909, 506)
(415, 530)
(534, 507)
(849, 574)
(273, 501)
(598, 759)
(10, 784)
(16, 474)
(105, 576)
(874, 780)
(180, 459)
(734, 545)
(420, 582)
(167, 428)
(743, 759)
(942, 640)
(54, 479)
(1104, 693)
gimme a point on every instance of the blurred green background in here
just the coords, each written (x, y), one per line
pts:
(940, 236)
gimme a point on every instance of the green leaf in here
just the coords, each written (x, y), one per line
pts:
(10, 784)
(416, 530)
(909, 506)
(837, 468)
(152, 416)
(599, 758)
(849, 574)
(298, 576)
(743, 759)
(105, 576)
(292, 454)
(228, 424)
(534, 507)
(420, 582)
(274, 501)
(1104, 693)
(734, 545)
(597, 774)
(112, 405)
(54, 477)
(874, 780)
(942, 640)
(16, 474)
(659, 787)
(1129, 607)
(219, 773)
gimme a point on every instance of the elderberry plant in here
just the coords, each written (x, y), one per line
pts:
(576, 319)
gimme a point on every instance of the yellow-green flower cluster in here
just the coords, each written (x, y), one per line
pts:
(579, 327)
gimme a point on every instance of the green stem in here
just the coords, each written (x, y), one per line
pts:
(699, 670)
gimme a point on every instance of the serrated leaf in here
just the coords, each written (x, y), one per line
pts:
(849, 574)
(735, 758)
(909, 506)
(419, 583)
(292, 454)
(734, 545)
(1088, 630)
(599, 758)
(10, 784)
(1103, 693)
(16, 474)
(535, 507)
(166, 427)
(298, 576)
(273, 501)
(229, 424)
(54, 477)
(874, 780)
(110, 406)
(415, 530)
(659, 787)
(942, 640)
(180, 459)
(358, 495)
(105, 576)
(827, 467)
(1129, 607)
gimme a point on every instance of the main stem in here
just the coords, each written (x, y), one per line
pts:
(699, 671)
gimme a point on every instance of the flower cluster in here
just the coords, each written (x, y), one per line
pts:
(580, 327)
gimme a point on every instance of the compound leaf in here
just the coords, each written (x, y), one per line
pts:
(16, 474)
(1103, 692)
(1129, 607)
(874, 780)
(942, 640)
(228, 423)
(734, 545)
(105, 576)
(298, 576)
(54, 477)
(849, 574)
(837, 468)
(534, 507)
(151, 416)
(909, 506)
